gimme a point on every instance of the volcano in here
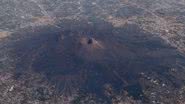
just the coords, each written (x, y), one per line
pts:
(81, 57)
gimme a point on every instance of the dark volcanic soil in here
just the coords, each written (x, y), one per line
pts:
(80, 58)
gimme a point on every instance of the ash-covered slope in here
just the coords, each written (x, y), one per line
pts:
(81, 58)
